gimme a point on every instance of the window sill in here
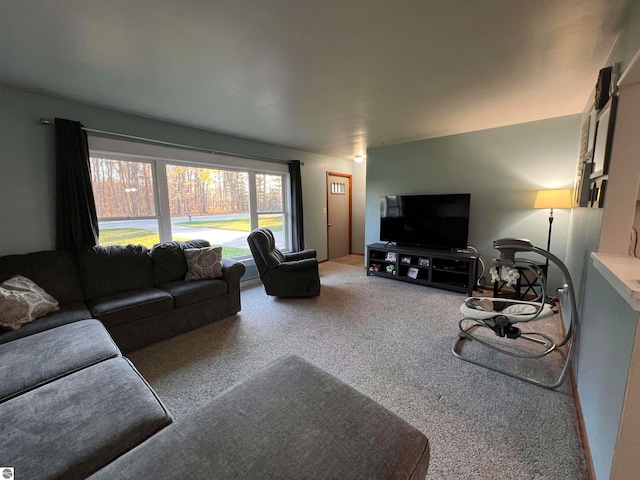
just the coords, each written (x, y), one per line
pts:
(623, 273)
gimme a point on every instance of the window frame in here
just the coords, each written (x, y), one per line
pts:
(286, 205)
(168, 156)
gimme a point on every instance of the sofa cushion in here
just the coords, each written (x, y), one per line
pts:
(169, 262)
(55, 271)
(289, 421)
(40, 358)
(123, 307)
(72, 427)
(22, 301)
(186, 293)
(68, 313)
(107, 270)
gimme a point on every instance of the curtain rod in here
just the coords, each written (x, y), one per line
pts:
(44, 121)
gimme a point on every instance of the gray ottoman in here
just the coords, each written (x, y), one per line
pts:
(289, 421)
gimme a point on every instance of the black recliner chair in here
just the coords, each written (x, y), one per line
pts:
(284, 274)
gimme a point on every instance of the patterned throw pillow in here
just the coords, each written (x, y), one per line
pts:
(22, 301)
(203, 263)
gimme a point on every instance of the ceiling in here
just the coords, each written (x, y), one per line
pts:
(326, 76)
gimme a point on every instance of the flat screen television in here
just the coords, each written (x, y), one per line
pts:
(430, 221)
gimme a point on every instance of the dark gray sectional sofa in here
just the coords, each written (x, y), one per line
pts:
(72, 407)
(138, 294)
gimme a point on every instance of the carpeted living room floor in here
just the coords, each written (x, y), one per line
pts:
(390, 340)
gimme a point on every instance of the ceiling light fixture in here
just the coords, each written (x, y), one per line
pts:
(358, 159)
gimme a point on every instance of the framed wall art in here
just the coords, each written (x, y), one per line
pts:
(605, 125)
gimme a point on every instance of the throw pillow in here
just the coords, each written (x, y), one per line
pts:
(22, 301)
(203, 263)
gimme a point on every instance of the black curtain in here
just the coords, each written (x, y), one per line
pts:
(76, 219)
(296, 206)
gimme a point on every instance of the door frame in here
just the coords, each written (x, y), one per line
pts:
(326, 189)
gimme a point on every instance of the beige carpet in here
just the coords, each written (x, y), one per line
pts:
(391, 340)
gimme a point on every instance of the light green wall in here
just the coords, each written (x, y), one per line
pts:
(27, 183)
(502, 168)
(607, 334)
(359, 198)
(608, 324)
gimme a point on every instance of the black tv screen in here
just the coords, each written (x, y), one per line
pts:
(432, 221)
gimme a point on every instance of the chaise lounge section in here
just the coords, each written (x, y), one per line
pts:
(70, 403)
(289, 421)
(72, 407)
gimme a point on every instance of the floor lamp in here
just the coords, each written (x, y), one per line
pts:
(552, 199)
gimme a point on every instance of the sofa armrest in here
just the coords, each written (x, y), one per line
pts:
(232, 270)
(294, 256)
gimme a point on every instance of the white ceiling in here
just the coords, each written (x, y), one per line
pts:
(325, 76)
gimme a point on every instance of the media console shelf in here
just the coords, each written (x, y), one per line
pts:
(440, 269)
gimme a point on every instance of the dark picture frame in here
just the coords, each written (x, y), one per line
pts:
(581, 190)
(597, 193)
(605, 125)
(584, 169)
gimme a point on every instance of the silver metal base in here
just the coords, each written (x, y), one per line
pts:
(549, 344)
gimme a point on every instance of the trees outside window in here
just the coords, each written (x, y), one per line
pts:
(125, 196)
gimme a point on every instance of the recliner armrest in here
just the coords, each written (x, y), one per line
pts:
(301, 255)
(305, 264)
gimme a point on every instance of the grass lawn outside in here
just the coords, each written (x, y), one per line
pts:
(273, 223)
(231, 252)
(124, 236)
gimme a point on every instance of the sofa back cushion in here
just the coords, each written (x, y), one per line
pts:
(107, 270)
(56, 272)
(169, 262)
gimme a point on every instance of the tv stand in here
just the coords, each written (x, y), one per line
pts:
(434, 268)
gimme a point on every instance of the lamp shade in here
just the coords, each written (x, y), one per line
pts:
(553, 199)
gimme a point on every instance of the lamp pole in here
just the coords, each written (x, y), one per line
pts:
(546, 265)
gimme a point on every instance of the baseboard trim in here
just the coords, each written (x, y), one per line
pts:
(588, 458)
